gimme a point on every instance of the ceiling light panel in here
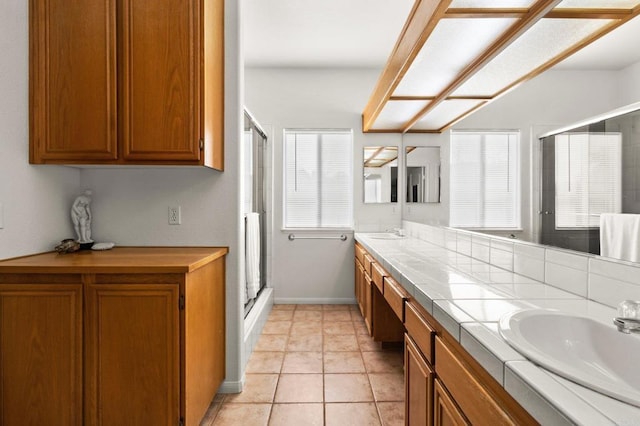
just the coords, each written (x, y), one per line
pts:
(598, 4)
(395, 113)
(494, 3)
(544, 41)
(446, 112)
(449, 49)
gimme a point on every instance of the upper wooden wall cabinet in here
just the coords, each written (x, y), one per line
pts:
(127, 82)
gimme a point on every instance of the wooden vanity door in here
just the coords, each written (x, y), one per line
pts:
(41, 354)
(132, 354)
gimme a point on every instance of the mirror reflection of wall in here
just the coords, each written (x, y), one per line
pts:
(423, 174)
(590, 179)
(380, 174)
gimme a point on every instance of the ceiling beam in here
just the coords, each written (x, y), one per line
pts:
(421, 22)
(535, 13)
(564, 13)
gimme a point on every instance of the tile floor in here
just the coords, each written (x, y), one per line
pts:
(316, 365)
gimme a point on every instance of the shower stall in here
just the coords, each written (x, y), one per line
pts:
(255, 204)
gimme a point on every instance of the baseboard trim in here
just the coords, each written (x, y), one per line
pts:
(313, 301)
(228, 386)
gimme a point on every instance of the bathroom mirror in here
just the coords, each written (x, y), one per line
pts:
(380, 167)
(590, 179)
(423, 174)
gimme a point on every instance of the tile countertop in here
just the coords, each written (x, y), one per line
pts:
(468, 297)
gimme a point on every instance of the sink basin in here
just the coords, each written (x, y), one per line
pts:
(386, 236)
(578, 348)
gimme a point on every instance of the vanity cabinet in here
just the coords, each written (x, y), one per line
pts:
(445, 410)
(135, 83)
(130, 336)
(418, 381)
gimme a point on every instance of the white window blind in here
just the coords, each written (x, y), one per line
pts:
(587, 178)
(318, 179)
(484, 172)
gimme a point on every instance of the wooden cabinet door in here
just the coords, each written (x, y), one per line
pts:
(358, 271)
(160, 80)
(367, 301)
(72, 81)
(418, 377)
(41, 354)
(132, 354)
(446, 412)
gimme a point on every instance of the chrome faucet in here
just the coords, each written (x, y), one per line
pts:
(627, 325)
(628, 319)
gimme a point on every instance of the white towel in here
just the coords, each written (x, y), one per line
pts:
(252, 255)
(620, 236)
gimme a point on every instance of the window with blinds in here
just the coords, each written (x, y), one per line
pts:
(318, 179)
(587, 178)
(485, 180)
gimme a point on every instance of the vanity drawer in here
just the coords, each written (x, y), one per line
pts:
(419, 330)
(368, 261)
(360, 253)
(471, 396)
(395, 296)
(377, 276)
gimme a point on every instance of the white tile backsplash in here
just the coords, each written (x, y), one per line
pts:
(565, 278)
(599, 279)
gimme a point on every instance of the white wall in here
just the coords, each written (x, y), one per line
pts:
(36, 200)
(317, 270)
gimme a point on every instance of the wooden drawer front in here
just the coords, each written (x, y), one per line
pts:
(359, 253)
(395, 296)
(474, 400)
(419, 331)
(377, 276)
(368, 262)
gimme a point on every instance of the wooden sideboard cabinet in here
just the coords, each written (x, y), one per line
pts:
(130, 336)
(116, 82)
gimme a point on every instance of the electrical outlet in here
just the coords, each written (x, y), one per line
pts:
(174, 215)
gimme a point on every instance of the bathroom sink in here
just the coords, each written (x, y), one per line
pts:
(578, 348)
(386, 236)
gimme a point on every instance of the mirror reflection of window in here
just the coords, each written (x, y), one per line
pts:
(380, 168)
(423, 174)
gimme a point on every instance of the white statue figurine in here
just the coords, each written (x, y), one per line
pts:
(81, 217)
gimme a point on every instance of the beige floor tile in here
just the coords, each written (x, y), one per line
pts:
(257, 388)
(284, 307)
(276, 327)
(305, 342)
(343, 327)
(351, 414)
(308, 307)
(336, 316)
(265, 362)
(343, 362)
(340, 342)
(271, 342)
(332, 307)
(391, 413)
(387, 387)
(307, 315)
(361, 328)
(297, 414)
(356, 316)
(243, 414)
(383, 361)
(211, 414)
(367, 344)
(299, 388)
(281, 315)
(347, 388)
(306, 327)
(302, 362)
